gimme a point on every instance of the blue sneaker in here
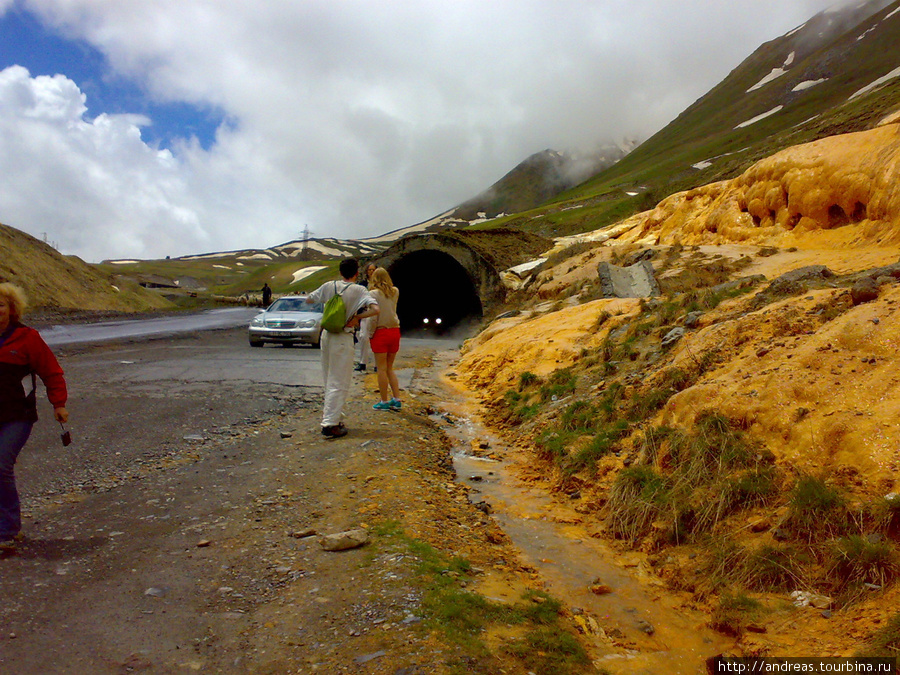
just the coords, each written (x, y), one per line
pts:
(382, 405)
(395, 404)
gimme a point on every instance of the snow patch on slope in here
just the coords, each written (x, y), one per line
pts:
(775, 74)
(304, 272)
(808, 84)
(756, 119)
(877, 83)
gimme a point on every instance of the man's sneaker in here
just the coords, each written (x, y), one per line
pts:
(360, 368)
(335, 431)
(395, 404)
(382, 405)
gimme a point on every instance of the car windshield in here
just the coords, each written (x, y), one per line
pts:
(295, 305)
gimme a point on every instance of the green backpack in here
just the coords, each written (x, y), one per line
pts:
(334, 317)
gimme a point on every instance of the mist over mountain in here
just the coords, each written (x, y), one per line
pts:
(540, 177)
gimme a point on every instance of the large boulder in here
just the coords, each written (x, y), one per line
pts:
(634, 281)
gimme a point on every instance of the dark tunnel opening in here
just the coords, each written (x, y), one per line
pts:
(436, 292)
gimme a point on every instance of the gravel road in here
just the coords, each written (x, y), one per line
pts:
(168, 537)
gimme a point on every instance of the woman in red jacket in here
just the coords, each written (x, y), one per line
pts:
(23, 353)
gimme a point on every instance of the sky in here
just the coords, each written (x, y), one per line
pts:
(147, 128)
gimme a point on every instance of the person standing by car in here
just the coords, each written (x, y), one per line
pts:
(23, 353)
(266, 295)
(365, 328)
(385, 338)
(338, 348)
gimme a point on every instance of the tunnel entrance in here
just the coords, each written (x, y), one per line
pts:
(436, 292)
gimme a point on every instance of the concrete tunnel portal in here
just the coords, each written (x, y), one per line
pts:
(437, 293)
(453, 277)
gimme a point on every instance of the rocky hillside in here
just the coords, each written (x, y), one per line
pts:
(738, 428)
(55, 281)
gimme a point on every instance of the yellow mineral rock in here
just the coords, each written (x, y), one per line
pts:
(838, 191)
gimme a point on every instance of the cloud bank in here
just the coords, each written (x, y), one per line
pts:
(352, 117)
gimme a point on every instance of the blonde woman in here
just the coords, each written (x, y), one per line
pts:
(23, 354)
(385, 338)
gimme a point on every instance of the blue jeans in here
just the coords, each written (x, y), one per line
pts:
(13, 436)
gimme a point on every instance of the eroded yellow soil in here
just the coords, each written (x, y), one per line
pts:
(814, 378)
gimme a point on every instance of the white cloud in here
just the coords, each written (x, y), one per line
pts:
(354, 117)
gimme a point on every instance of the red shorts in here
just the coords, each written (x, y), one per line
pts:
(385, 341)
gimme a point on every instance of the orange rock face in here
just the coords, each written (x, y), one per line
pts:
(837, 191)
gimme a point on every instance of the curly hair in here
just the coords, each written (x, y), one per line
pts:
(382, 281)
(15, 297)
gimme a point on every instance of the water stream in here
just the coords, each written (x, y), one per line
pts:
(638, 627)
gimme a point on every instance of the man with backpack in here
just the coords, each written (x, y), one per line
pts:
(337, 339)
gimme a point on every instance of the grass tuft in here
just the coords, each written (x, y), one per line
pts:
(638, 496)
(527, 379)
(550, 652)
(561, 383)
(772, 568)
(817, 510)
(885, 642)
(734, 613)
(856, 560)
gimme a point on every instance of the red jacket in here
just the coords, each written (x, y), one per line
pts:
(23, 353)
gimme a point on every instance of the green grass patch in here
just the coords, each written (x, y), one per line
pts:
(561, 383)
(601, 444)
(519, 406)
(887, 514)
(689, 481)
(734, 613)
(554, 444)
(638, 496)
(816, 510)
(579, 416)
(527, 380)
(547, 651)
(462, 616)
(767, 569)
(773, 568)
(856, 560)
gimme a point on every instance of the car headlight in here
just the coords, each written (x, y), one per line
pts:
(307, 323)
(257, 321)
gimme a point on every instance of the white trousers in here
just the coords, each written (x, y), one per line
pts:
(337, 371)
(366, 357)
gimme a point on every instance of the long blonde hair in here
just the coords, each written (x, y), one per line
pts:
(15, 297)
(382, 281)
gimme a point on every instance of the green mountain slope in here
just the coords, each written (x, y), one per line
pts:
(818, 80)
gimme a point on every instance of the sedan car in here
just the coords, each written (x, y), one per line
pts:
(287, 321)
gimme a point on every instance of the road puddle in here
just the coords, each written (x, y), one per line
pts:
(634, 623)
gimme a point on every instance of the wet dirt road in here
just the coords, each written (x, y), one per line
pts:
(170, 536)
(164, 540)
(155, 425)
(138, 402)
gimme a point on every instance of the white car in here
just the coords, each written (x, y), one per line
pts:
(287, 321)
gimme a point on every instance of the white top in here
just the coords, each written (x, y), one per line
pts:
(355, 297)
